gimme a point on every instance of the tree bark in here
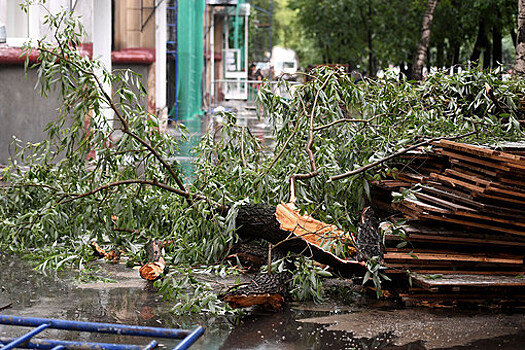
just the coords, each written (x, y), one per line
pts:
(424, 39)
(482, 45)
(497, 50)
(520, 39)
(259, 221)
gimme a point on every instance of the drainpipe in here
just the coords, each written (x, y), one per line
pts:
(102, 34)
(160, 64)
(212, 58)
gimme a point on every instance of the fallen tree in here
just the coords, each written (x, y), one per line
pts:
(331, 137)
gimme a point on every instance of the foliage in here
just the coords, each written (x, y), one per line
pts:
(375, 33)
(117, 182)
(45, 207)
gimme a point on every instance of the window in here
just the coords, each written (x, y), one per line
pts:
(20, 26)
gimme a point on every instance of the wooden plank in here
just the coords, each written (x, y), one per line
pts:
(411, 178)
(503, 199)
(469, 272)
(492, 219)
(474, 224)
(484, 152)
(419, 206)
(494, 165)
(451, 257)
(445, 251)
(451, 194)
(441, 202)
(497, 175)
(457, 183)
(408, 212)
(465, 199)
(390, 184)
(478, 181)
(500, 189)
(475, 191)
(447, 300)
(424, 208)
(464, 280)
(456, 231)
(414, 237)
(481, 170)
(450, 266)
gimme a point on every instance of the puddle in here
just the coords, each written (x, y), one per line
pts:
(300, 326)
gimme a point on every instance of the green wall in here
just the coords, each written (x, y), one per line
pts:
(190, 60)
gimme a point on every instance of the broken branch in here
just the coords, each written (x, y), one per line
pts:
(393, 155)
(156, 266)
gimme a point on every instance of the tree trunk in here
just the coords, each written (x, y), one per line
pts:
(259, 221)
(455, 54)
(497, 50)
(482, 45)
(520, 39)
(486, 55)
(440, 60)
(424, 39)
(476, 52)
(367, 19)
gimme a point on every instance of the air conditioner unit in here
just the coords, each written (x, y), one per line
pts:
(221, 2)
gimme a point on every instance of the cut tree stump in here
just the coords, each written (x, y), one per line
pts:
(111, 256)
(299, 234)
(267, 290)
(156, 266)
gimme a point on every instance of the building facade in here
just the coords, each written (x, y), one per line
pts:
(121, 34)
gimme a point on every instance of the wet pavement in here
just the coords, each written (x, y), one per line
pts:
(349, 323)
(331, 325)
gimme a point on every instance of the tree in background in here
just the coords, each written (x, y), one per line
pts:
(359, 33)
(262, 25)
(424, 40)
(376, 33)
(520, 42)
(494, 18)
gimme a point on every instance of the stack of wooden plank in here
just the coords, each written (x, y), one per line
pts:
(464, 208)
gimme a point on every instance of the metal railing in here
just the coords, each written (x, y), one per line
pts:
(240, 89)
(26, 341)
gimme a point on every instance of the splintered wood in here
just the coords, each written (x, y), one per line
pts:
(156, 266)
(111, 256)
(316, 232)
(465, 212)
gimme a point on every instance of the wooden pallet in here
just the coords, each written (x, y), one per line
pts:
(466, 221)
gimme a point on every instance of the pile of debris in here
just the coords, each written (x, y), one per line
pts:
(463, 236)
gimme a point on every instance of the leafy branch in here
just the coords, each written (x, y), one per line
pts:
(394, 155)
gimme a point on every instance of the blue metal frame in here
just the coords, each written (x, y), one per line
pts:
(187, 337)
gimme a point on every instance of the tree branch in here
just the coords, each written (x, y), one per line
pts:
(155, 183)
(393, 155)
(347, 120)
(308, 149)
(242, 148)
(123, 121)
(282, 149)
